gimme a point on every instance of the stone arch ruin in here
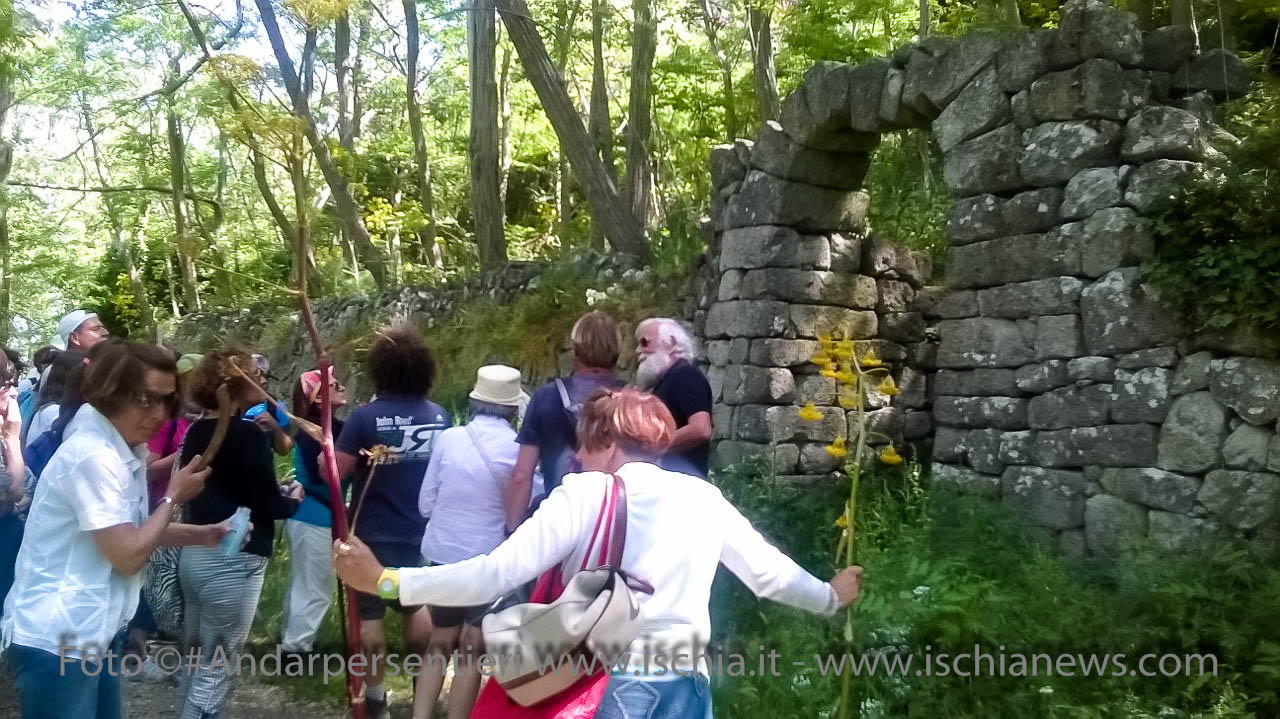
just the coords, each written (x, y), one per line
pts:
(1044, 374)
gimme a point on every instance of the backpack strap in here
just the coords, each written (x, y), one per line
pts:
(564, 395)
(484, 457)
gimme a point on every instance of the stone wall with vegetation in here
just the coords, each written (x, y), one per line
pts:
(1058, 385)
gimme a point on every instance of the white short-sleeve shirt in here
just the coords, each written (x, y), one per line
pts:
(65, 592)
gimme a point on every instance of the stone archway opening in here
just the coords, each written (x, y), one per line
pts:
(1057, 384)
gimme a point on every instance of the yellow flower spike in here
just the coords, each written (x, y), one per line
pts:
(821, 358)
(837, 448)
(888, 387)
(842, 522)
(825, 340)
(810, 413)
(845, 377)
(845, 348)
(829, 370)
(890, 456)
(848, 400)
(870, 359)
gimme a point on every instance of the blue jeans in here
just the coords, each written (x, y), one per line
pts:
(678, 698)
(48, 689)
(11, 528)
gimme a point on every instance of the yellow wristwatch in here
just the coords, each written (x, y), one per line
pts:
(389, 584)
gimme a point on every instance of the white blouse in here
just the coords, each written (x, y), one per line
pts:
(679, 529)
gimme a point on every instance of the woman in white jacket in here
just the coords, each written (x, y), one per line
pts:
(678, 531)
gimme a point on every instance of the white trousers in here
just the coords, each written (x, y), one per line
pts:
(311, 582)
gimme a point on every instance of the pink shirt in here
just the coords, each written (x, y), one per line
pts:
(165, 443)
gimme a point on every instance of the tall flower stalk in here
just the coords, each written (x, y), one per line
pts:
(854, 375)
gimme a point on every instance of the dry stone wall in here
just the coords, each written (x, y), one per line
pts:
(1058, 384)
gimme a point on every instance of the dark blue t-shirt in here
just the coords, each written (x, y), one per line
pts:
(547, 424)
(686, 392)
(408, 426)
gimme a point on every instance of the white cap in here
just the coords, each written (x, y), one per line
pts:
(69, 323)
(498, 384)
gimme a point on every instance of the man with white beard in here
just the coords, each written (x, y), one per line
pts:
(664, 366)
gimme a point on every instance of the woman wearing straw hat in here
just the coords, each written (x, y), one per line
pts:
(462, 499)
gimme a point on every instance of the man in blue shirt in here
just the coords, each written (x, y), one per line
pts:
(391, 439)
(548, 435)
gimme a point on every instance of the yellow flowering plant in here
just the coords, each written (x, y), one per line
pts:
(839, 360)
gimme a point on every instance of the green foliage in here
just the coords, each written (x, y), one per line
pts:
(909, 200)
(1217, 254)
(946, 572)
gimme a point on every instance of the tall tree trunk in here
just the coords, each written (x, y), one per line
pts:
(118, 238)
(711, 27)
(178, 181)
(926, 28)
(600, 126)
(486, 193)
(764, 77)
(342, 67)
(1226, 29)
(644, 45)
(1184, 14)
(430, 250)
(6, 164)
(1146, 12)
(357, 76)
(504, 130)
(347, 209)
(1010, 14)
(621, 227)
(566, 19)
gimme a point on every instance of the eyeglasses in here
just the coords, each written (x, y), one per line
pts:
(149, 400)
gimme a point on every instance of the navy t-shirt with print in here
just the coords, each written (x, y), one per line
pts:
(546, 423)
(686, 392)
(408, 426)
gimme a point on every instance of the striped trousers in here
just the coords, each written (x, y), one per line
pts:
(221, 597)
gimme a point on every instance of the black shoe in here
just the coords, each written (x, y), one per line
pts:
(377, 708)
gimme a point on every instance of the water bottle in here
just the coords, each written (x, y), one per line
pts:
(230, 544)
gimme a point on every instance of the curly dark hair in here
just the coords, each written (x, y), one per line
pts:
(217, 368)
(399, 363)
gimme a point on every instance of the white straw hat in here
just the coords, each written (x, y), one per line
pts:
(69, 323)
(498, 384)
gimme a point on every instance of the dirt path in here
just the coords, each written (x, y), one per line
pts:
(249, 700)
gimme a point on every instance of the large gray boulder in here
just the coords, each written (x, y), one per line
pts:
(1246, 448)
(1096, 88)
(1248, 385)
(981, 412)
(1178, 532)
(726, 166)
(1058, 337)
(1153, 487)
(1166, 48)
(984, 450)
(759, 423)
(975, 218)
(1091, 369)
(1192, 374)
(1023, 59)
(813, 321)
(881, 258)
(1042, 377)
(1141, 395)
(816, 114)
(982, 342)
(949, 444)
(1053, 296)
(1112, 238)
(772, 246)
(1090, 190)
(980, 107)
(1156, 181)
(1056, 151)
(975, 383)
(749, 318)
(1032, 211)
(1192, 434)
(1219, 72)
(1112, 524)
(938, 301)
(1244, 500)
(767, 200)
(1121, 315)
(1017, 447)
(866, 90)
(1114, 445)
(815, 286)
(963, 479)
(1091, 28)
(776, 153)
(781, 353)
(1163, 132)
(987, 163)
(1069, 407)
(940, 68)
(1050, 498)
(748, 384)
(1014, 259)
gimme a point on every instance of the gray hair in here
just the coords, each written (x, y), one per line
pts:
(490, 409)
(672, 333)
